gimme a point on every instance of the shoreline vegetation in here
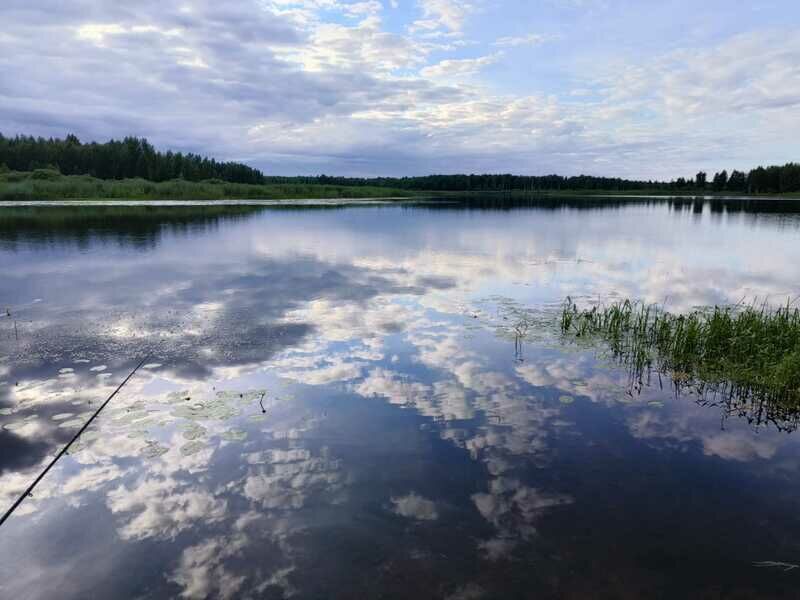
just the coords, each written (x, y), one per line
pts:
(745, 357)
(49, 184)
(33, 169)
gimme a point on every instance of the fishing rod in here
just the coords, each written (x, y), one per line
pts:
(64, 450)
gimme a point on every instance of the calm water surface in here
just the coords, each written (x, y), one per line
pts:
(375, 402)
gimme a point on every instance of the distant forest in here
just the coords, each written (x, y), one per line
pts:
(126, 159)
(769, 180)
(135, 157)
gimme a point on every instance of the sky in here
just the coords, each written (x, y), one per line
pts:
(631, 88)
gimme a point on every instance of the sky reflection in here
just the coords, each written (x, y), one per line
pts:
(376, 401)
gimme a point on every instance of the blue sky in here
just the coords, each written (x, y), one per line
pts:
(646, 88)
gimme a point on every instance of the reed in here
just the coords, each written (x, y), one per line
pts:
(747, 353)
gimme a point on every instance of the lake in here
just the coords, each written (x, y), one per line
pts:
(376, 401)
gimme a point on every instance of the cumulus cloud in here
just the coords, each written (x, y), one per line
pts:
(454, 68)
(415, 507)
(448, 14)
(291, 481)
(162, 507)
(326, 85)
(201, 572)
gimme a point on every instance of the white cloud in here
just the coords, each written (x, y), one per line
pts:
(201, 572)
(288, 485)
(162, 507)
(415, 507)
(457, 68)
(449, 14)
(284, 86)
(532, 39)
(739, 446)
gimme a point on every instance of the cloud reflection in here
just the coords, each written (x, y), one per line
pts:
(288, 356)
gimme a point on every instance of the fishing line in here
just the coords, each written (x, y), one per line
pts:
(64, 450)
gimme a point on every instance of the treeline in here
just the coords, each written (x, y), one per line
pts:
(769, 180)
(763, 180)
(129, 158)
(135, 157)
(486, 183)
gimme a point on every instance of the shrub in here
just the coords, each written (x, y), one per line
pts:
(45, 174)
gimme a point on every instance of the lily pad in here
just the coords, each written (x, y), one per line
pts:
(234, 435)
(154, 449)
(193, 447)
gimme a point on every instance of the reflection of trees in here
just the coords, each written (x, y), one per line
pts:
(772, 209)
(135, 226)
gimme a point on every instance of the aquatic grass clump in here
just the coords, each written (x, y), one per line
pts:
(749, 354)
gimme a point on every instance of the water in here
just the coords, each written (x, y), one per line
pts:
(374, 401)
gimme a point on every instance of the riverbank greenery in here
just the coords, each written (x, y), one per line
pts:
(135, 158)
(749, 355)
(47, 184)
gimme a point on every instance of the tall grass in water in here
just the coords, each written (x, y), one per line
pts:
(748, 356)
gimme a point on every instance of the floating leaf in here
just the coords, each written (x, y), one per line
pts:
(193, 431)
(234, 435)
(154, 449)
(193, 447)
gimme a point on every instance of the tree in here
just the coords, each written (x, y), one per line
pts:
(700, 180)
(131, 157)
(757, 180)
(720, 181)
(737, 182)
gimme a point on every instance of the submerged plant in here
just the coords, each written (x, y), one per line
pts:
(747, 356)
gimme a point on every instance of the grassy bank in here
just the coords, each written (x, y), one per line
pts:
(45, 184)
(749, 355)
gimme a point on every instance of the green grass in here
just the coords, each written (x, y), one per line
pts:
(749, 355)
(45, 184)
(49, 184)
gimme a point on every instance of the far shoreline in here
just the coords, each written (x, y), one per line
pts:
(437, 197)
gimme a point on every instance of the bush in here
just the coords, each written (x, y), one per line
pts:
(45, 174)
(15, 177)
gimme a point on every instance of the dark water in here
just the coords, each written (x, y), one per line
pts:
(375, 402)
